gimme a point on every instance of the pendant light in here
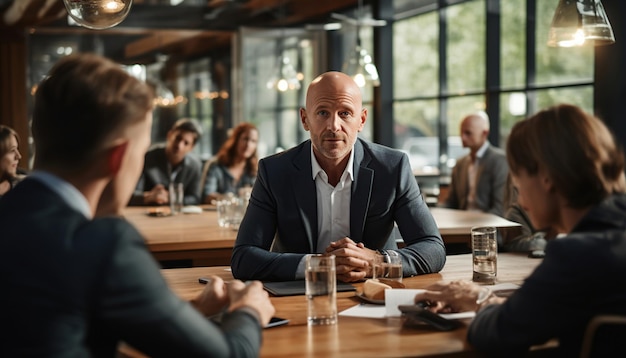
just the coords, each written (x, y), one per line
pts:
(285, 77)
(359, 63)
(580, 22)
(98, 14)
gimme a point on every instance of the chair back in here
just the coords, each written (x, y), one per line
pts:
(604, 337)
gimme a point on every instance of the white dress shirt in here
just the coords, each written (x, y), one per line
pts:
(333, 206)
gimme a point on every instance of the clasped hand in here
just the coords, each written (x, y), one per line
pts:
(232, 295)
(353, 260)
(158, 195)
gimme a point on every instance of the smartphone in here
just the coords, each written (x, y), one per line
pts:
(416, 314)
(203, 280)
(277, 321)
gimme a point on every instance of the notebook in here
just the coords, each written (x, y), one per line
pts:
(292, 288)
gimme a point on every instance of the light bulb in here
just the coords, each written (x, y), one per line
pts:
(98, 14)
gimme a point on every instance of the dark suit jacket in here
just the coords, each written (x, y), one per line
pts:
(283, 212)
(72, 287)
(155, 172)
(582, 275)
(491, 177)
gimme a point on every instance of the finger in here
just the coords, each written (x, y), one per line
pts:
(429, 296)
(235, 285)
(216, 283)
(343, 242)
(352, 276)
(343, 269)
(353, 261)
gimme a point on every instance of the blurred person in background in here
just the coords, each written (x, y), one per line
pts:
(478, 179)
(171, 163)
(235, 165)
(9, 159)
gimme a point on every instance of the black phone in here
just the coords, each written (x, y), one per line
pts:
(277, 321)
(418, 315)
(203, 280)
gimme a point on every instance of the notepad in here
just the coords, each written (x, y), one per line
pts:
(293, 288)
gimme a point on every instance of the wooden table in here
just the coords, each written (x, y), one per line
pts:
(455, 225)
(362, 337)
(199, 238)
(194, 237)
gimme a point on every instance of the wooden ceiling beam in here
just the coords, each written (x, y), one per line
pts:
(159, 40)
(28, 12)
(301, 11)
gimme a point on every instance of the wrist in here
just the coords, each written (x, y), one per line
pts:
(383, 253)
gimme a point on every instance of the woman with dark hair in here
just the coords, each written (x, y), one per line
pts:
(569, 174)
(234, 166)
(9, 158)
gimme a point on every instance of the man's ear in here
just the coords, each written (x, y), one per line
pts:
(303, 119)
(115, 157)
(546, 182)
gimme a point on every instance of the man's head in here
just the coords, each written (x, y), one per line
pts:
(334, 115)
(92, 121)
(474, 130)
(181, 139)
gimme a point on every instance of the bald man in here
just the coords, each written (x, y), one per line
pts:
(334, 193)
(479, 178)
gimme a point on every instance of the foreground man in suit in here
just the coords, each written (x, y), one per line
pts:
(74, 285)
(569, 174)
(478, 179)
(334, 193)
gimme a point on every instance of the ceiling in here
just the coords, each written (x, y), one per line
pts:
(186, 30)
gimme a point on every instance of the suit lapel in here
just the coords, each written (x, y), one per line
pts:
(306, 195)
(361, 192)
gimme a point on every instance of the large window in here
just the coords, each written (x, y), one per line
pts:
(274, 112)
(442, 65)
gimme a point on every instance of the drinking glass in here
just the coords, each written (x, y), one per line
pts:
(321, 289)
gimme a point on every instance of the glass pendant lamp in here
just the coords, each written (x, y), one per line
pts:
(580, 22)
(98, 14)
(359, 63)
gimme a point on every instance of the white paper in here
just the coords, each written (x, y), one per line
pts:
(365, 310)
(399, 296)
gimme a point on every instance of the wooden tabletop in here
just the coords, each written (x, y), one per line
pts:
(360, 337)
(182, 231)
(199, 238)
(458, 223)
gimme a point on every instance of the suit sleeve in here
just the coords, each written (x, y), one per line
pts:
(134, 301)
(252, 258)
(424, 251)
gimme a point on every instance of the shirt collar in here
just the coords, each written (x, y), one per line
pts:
(70, 195)
(316, 168)
(482, 150)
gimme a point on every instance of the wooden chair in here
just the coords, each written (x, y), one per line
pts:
(604, 337)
